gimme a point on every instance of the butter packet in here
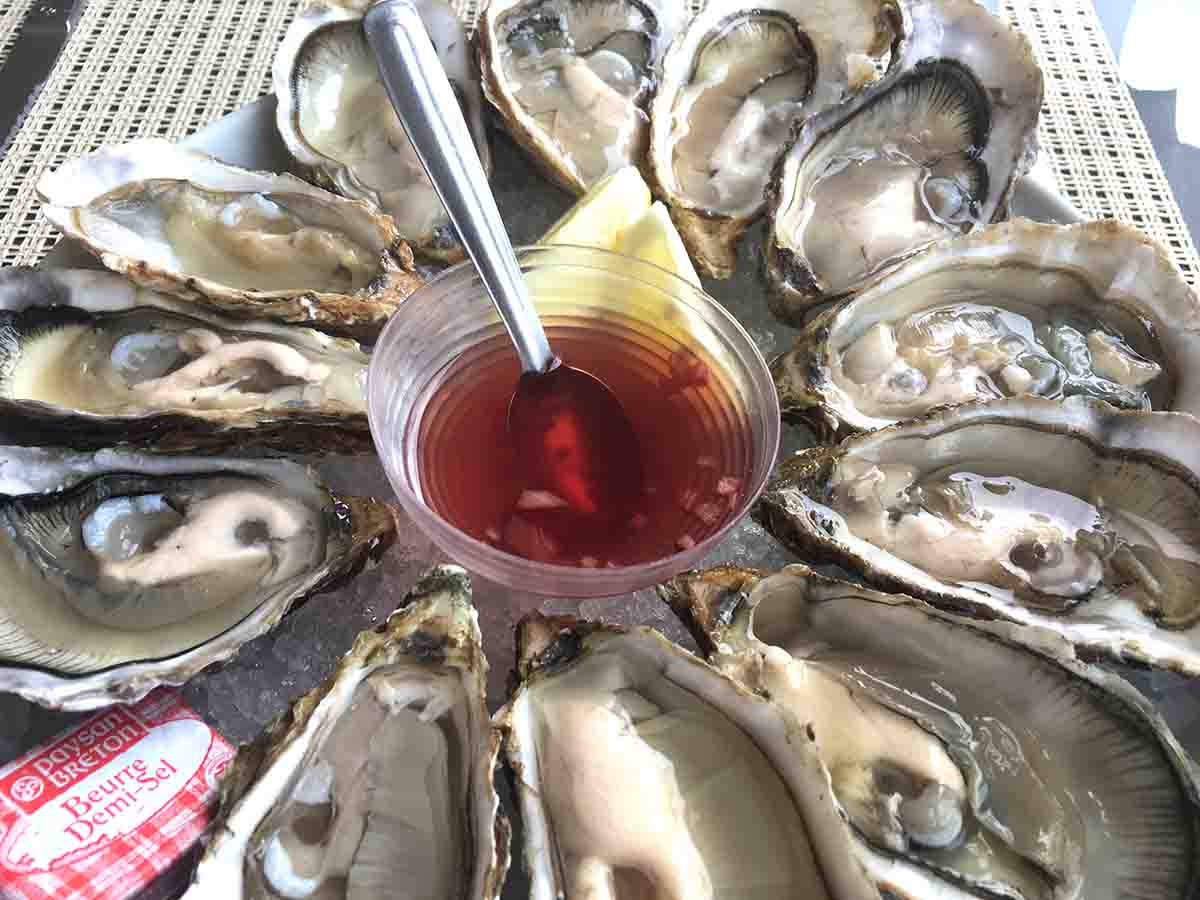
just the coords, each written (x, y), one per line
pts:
(104, 809)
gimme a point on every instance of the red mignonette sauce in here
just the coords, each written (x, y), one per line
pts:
(552, 509)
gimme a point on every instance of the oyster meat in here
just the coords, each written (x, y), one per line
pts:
(1016, 309)
(931, 150)
(1072, 515)
(643, 772)
(573, 79)
(122, 571)
(734, 84)
(337, 121)
(378, 783)
(976, 755)
(89, 360)
(247, 244)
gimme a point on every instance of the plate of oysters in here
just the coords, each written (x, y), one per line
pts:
(904, 673)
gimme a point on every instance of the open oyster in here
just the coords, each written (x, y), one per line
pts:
(1016, 309)
(643, 772)
(248, 244)
(734, 84)
(123, 571)
(1072, 515)
(966, 754)
(378, 783)
(573, 79)
(337, 121)
(929, 151)
(88, 360)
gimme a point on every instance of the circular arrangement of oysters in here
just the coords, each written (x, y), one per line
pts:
(1019, 461)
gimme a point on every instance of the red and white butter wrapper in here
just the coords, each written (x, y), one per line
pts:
(100, 811)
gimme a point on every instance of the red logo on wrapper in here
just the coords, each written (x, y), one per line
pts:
(101, 810)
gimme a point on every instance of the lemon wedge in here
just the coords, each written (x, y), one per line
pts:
(616, 214)
(608, 208)
(653, 238)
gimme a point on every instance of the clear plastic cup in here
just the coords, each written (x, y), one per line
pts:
(452, 314)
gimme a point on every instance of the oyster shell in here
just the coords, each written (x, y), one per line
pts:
(735, 82)
(1074, 516)
(122, 571)
(641, 771)
(378, 783)
(1016, 309)
(88, 360)
(573, 79)
(247, 244)
(975, 754)
(931, 150)
(337, 121)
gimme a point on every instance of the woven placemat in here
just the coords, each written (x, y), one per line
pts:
(11, 17)
(168, 67)
(134, 68)
(1091, 133)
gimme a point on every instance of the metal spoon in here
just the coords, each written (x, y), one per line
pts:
(570, 430)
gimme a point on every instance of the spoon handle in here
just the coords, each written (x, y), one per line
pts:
(429, 111)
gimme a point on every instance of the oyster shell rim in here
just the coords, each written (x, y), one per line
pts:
(537, 146)
(723, 626)
(815, 401)
(548, 645)
(313, 18)
(317, 431)
(360, 315)
(372, 528)
(398, 637)
(712, 237)
(793, 289)
(793, 523)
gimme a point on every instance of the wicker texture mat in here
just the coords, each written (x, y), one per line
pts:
(11, 17)
(135, 68)
(168, 67)
(1091, 132)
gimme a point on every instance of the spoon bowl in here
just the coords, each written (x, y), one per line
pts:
(575, 438)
